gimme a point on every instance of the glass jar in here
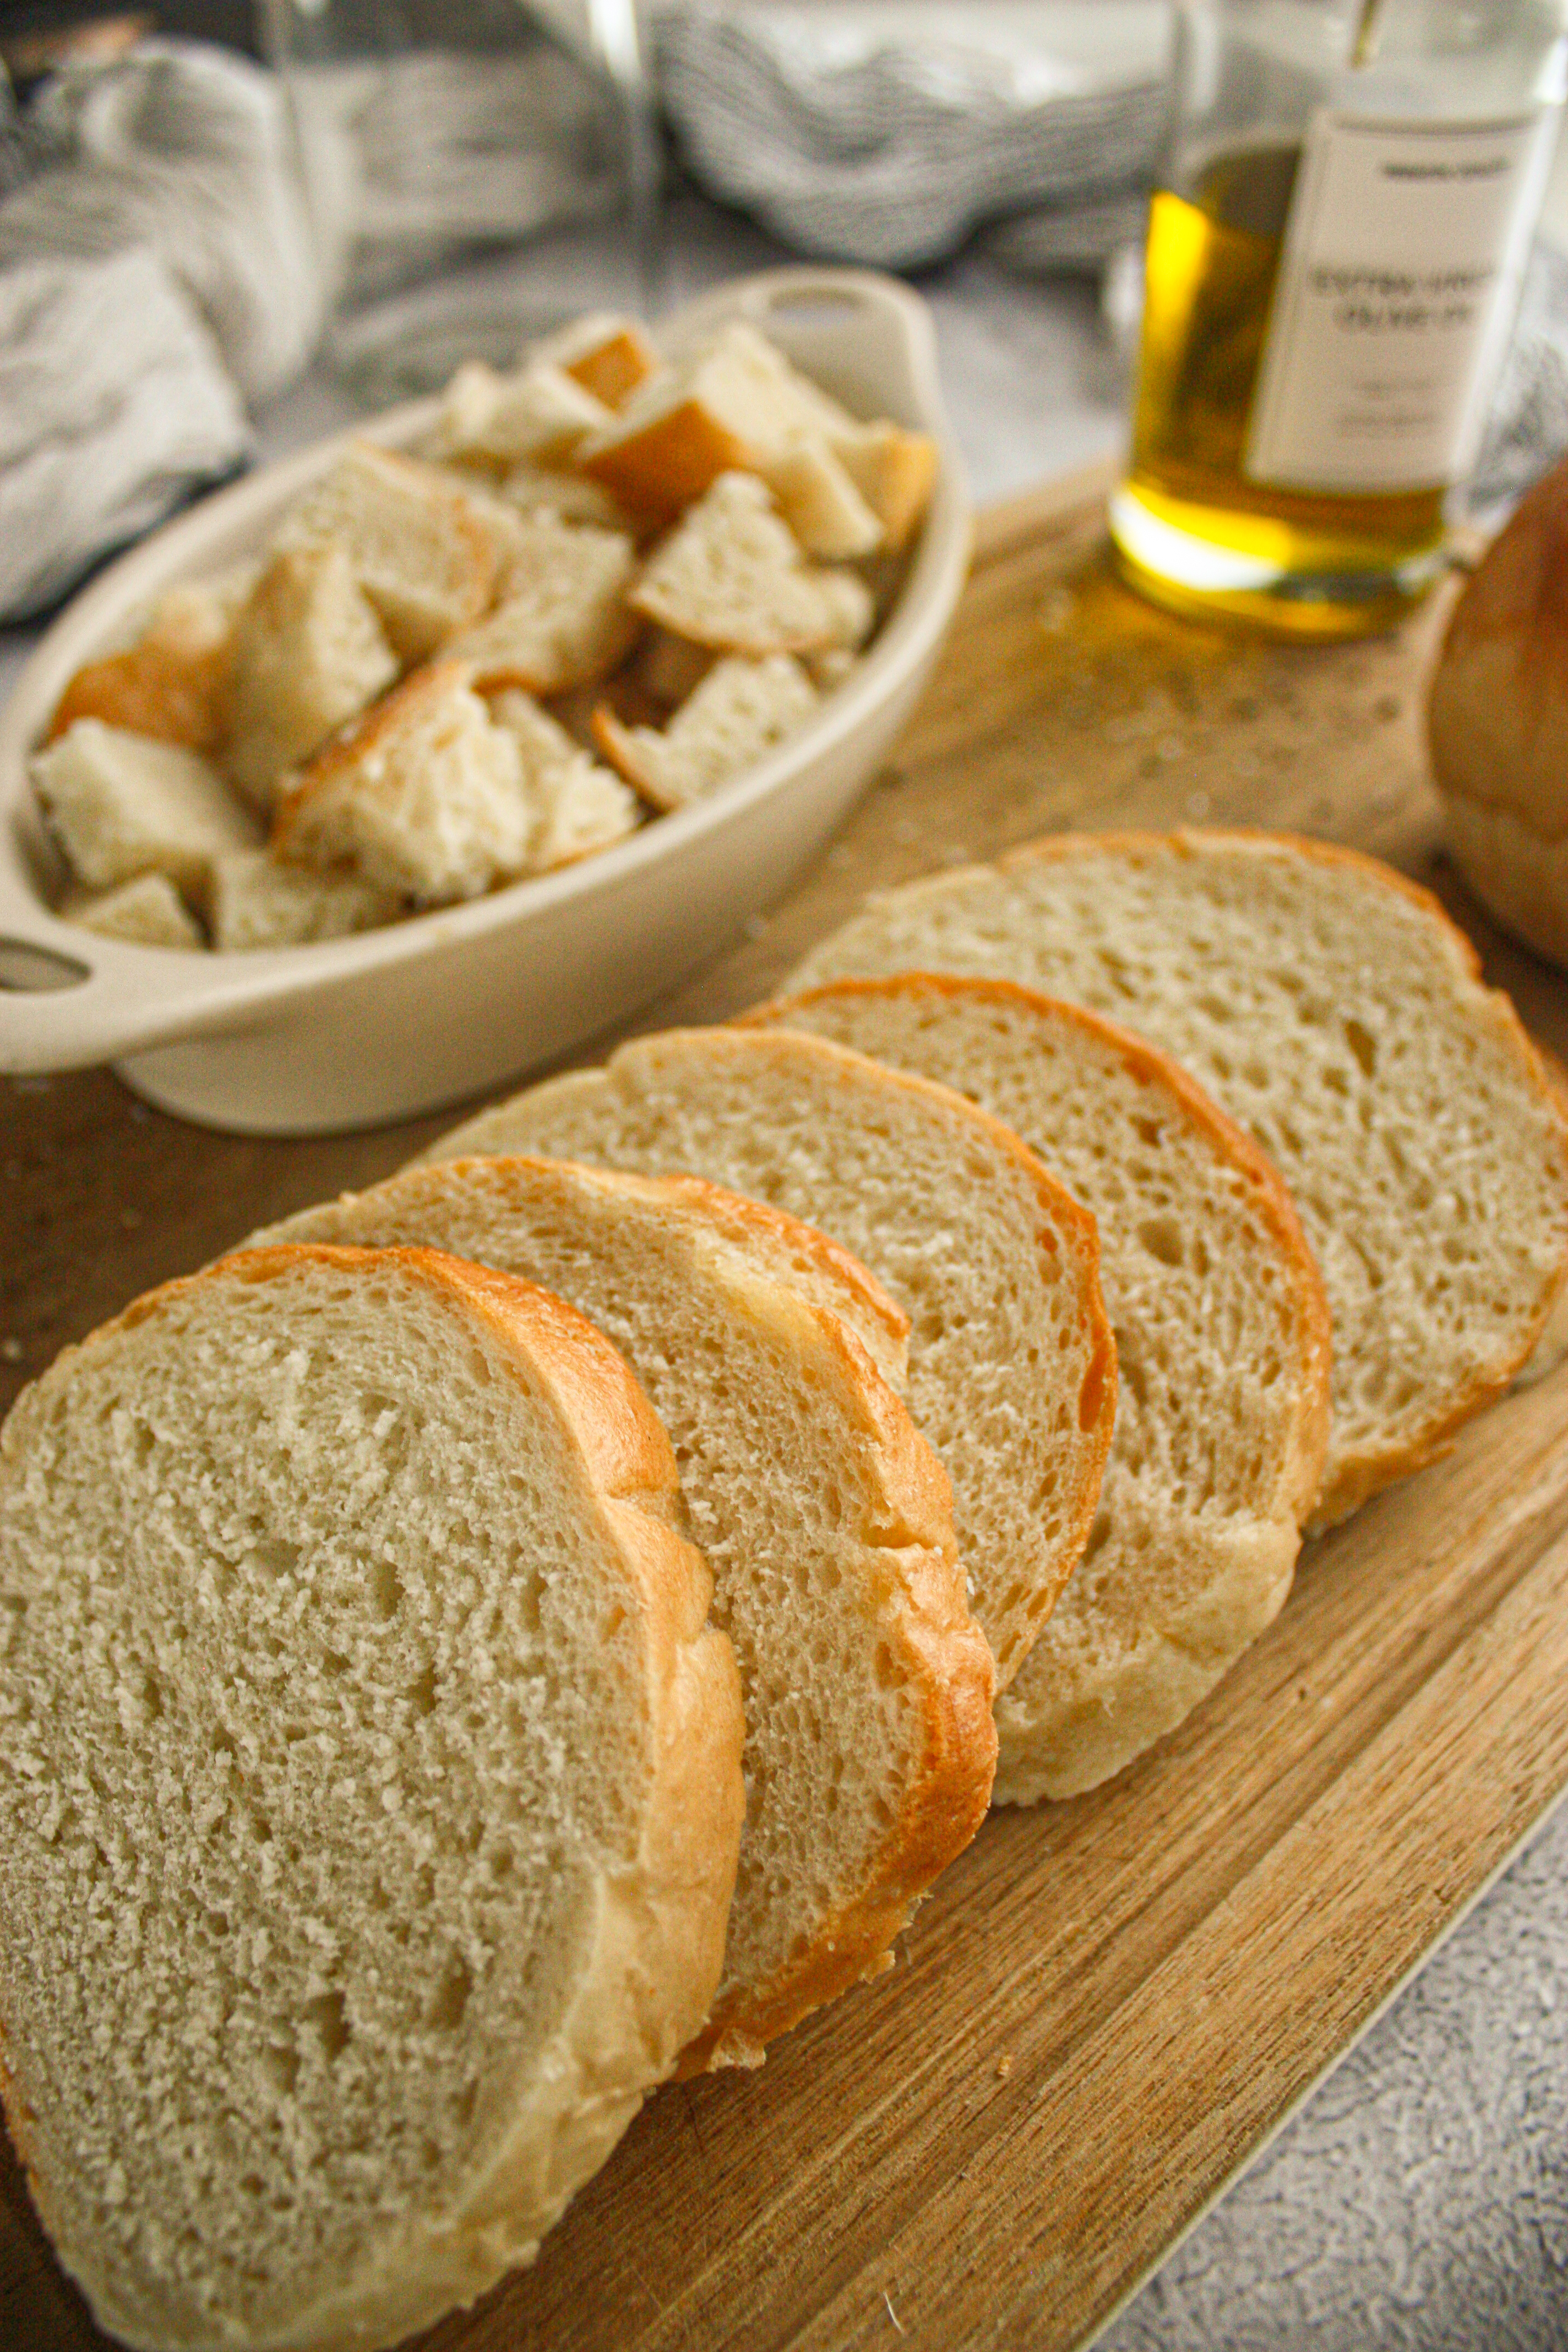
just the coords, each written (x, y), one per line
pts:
(1333, 260)
(477, 172)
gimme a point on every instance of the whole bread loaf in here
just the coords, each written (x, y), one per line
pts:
(370, 1797)
(1012, 1373)
(1222, 1343)
(1331, 1007)
(826, 1523)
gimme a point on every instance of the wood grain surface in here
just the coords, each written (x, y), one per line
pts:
(1105, 2006)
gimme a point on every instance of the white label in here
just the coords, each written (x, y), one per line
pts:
(1397, 282)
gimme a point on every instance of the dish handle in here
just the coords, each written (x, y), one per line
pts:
(69, 999)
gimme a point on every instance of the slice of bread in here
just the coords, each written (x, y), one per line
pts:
(148, 910)
(738, 712)
(560, 619)
(731, 575)
(824, 1519)
(424, 799)
(120, 804)
(1222, 1343)
(257, 901)
(1331, 1007)
(169, 684)
(308, 653)
(419, 550)
(370, 1797)
(1012, 1371)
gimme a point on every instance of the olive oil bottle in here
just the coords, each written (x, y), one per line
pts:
(1330, 272)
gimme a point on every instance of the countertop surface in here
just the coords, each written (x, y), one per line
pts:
(1419, 2197)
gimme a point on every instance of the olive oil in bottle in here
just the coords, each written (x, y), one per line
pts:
(1327, 292)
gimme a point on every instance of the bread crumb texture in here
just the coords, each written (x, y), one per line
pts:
(338, 1705)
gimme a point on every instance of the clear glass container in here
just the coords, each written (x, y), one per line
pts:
(1333, 260)
(477, 172)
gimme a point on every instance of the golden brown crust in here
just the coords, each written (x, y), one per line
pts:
(672, 460)
(618, 745)
(363, 735)
(948, 1662)
(1147, 1063)
(153, 688)
(615, 367)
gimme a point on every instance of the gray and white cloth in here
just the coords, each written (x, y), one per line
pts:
(157, 272)
(883, 132)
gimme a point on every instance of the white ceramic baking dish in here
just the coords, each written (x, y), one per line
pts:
(379, 1027)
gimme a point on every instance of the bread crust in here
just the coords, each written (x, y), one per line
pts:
(669, 461)
(1375, 1466)
(658, 1945)
(1262, 1178)
(1058, 1216)
(915, 1592)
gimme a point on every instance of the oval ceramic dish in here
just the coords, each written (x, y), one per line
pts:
(392, 1021)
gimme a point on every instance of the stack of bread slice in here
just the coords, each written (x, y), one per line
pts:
(1008, 1300)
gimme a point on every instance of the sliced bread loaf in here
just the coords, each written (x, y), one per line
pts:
(370, 1796)
(1331, 1007)
(1222, 1347)
(1011, 1369)
(826, 1521)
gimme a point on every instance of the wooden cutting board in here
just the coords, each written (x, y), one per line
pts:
(1106, 2006)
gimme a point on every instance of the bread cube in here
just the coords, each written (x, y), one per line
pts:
(120, 804)
(148, 910)
(579, 806)
(608, 355)
(542, 413)
(562, 617)
(741, 710)
(420, 551)
(309, 652)
(168, 684)
(892, 469)
(820, 502)
(735, 402)
(731, 575)
(424, 798)
(257, 901)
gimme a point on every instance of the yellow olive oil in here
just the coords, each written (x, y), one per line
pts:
(1191, 529)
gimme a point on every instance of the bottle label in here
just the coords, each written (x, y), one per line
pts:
(1401, 266)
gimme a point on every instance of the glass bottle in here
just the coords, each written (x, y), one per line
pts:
(1333, 260)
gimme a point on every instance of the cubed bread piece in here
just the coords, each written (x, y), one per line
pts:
(547, 489)
(740, 710)
(608, 355)
(169, 684)
(424, 798)
(820, 502)
(731, 575)
(561, 616)
(892, 469)
(579, 806)
(420, 551)
(120, 804)
(539, 412)
(735, 401)
(260, 902)
(148, 910)
(309, 652)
